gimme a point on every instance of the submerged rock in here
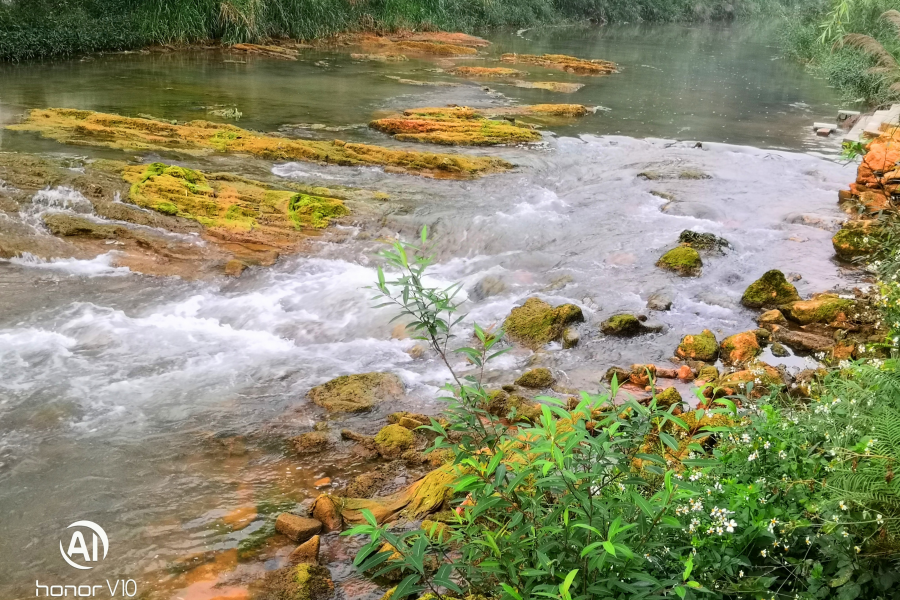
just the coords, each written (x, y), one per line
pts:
(356, 393)
(310, 442)
(682, 260)
(485, 72)
(771, 290)
(86, 127)
(454, 126)
(660, 301)
(536, 378)
(739, 348)
(536, 323)
(300, 582)
(562, 62)
(703, 347)
(551, 86)
(570, 338)
(821, 308)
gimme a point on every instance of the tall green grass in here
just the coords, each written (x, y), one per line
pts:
(845, 68)
(47, 28)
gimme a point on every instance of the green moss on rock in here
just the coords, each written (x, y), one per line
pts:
(856, 239)
(302, 582)
(668, 397)
(393, 440)
(536, 323)
(683, 260)
(708, 373)
(739, 348)
(702, 346)
(356, 393)
(823, 308)
(622, 324)
(536, 378)
(770, 291)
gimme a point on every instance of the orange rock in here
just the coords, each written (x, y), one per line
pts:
(240, 517)
(685, 373)
(326, 511)
(740, 348)
(322, 482)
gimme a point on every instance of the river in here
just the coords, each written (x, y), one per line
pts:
(122, 395)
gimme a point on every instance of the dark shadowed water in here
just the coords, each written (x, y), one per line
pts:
(114, 387)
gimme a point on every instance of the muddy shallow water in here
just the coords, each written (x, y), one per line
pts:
(122, 396)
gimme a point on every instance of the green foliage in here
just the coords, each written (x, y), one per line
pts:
(43, 28)
(613, 499)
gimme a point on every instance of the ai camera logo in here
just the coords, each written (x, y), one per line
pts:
(79, 550)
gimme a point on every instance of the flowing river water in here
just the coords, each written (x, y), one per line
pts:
(122, 396)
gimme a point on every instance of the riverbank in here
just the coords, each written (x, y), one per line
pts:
(30, 30)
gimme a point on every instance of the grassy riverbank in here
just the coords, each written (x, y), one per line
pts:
(814, 32)
(49, 28)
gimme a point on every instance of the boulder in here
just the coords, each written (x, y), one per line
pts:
(770, 291)
(763, 377)
(394, 440)
(307, 552)
(703, 241)
(703, 347)
(708, 373)
(536, 378)
(683, 260)
(299, 582)
(297, 528)
(821, 308)
(356, 393)
(739, 348)
(536, 323)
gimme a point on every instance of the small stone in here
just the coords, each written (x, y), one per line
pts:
(619, 373)
(408, 423)
(685, 373)
(660, 301)
(570, 338)
(536, 378)
(771, 317)
(779, 350)
(298, 529)
(307, 552)
(823, 132)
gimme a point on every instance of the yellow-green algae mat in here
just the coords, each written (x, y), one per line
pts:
(228, 204)
(465, 126)
(91, 128)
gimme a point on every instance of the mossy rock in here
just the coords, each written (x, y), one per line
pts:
(536, 378)
(310, 442)
(771, 290)
(622, 325)
(536, 323)
(683, 260)
(779, 350)
(393, 440)
(668, 397)
(356, 393)
(702, 346)
(771, 317)
(739, 348)
(822, 308)
(302, 582)
(764, 377)
(703, 241)
(708, 373)
(856, 239)
(619, 373)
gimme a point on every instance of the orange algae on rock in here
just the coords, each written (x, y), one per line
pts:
(227, 203)
(457, 126)
(562, 62)
(485, 72)
(202, 137)
(435, 48)
(550, 86)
